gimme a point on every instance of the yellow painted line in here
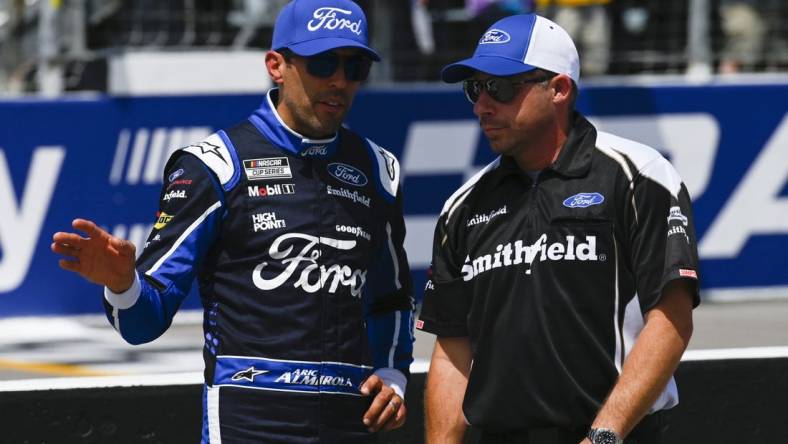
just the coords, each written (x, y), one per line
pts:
(50, 369)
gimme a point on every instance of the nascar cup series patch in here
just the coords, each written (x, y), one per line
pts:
(268, 168)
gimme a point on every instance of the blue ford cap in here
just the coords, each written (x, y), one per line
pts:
(309, 27)
(518, 44)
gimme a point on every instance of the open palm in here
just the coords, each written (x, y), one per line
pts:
(100, 257)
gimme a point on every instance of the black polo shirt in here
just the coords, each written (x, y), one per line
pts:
(550, 279)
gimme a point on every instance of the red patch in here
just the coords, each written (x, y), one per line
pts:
(688, 273)
(419, 324)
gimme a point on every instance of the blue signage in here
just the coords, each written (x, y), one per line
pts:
(102, 159)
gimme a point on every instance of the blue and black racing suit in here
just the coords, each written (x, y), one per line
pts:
(297, 246)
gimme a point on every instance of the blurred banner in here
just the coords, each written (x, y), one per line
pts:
(102, 158)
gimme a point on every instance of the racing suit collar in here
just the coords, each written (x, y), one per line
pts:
(574, 160)
(271, 125)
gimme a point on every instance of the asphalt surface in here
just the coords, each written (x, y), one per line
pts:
(87, 346)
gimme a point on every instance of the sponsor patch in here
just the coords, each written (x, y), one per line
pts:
(495, 36)
(271, 190)
(308, 376)
(162, 220)
(268, 168)
(266, 221)
(584, 200)
(355, 231)
(676, 216)
(477, 219)
(355, 196)
(174, 194)
(688, 273)
(518, 252)
(347, 174)
(315, 151)
(248, 374)
(175, 183)
(333, 19)
(429, 285)
(312, 277)
(175, 174)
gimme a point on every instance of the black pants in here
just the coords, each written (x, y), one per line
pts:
(648, 431)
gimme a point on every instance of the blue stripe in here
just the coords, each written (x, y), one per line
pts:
(299, 376)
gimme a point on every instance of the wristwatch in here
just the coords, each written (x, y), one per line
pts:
(604, 436)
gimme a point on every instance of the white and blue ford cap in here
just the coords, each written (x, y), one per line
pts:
(518, 44)
(309, 27)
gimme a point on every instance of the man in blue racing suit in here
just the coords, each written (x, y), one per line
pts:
(292, 226)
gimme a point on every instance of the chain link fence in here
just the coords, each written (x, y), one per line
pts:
(52, 46)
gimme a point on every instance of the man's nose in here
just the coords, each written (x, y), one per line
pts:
(338, 79)
(484, 105)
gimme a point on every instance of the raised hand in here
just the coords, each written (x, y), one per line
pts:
(100, 257)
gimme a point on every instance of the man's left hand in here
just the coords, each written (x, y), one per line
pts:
(387, 411)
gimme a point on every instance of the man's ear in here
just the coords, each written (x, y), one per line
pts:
(562, 89)
(275, 64)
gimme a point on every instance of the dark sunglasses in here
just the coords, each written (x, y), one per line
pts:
(500, 89)
(325, 64)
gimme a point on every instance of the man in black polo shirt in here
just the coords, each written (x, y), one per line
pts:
(564, 273)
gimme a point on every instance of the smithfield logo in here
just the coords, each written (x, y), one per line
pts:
(348, 174)
(355, 196)
(584, 200)
(516, 253)
(326, 18)
(174, 194)
(477, 219)
(495, 36)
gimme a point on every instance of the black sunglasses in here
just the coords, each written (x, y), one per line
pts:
(325, 64)
(501, 89)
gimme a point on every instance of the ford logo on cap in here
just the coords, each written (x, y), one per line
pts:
(348, 174)
(584, 200)
(495, 36)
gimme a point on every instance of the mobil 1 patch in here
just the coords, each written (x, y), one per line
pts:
(268, 168)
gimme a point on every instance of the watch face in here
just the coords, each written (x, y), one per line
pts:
(605, 437)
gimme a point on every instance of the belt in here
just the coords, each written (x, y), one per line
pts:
(290, 376)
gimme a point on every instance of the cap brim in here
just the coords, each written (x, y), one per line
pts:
(316, 46)
(492, 65)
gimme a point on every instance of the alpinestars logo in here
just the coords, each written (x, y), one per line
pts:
(248, 374)
(305, 376)
(516, 253)
(313, 277)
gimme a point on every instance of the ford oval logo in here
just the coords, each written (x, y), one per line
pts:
(176, 174)
(348, 174)
(495, 36)
(584, 200)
